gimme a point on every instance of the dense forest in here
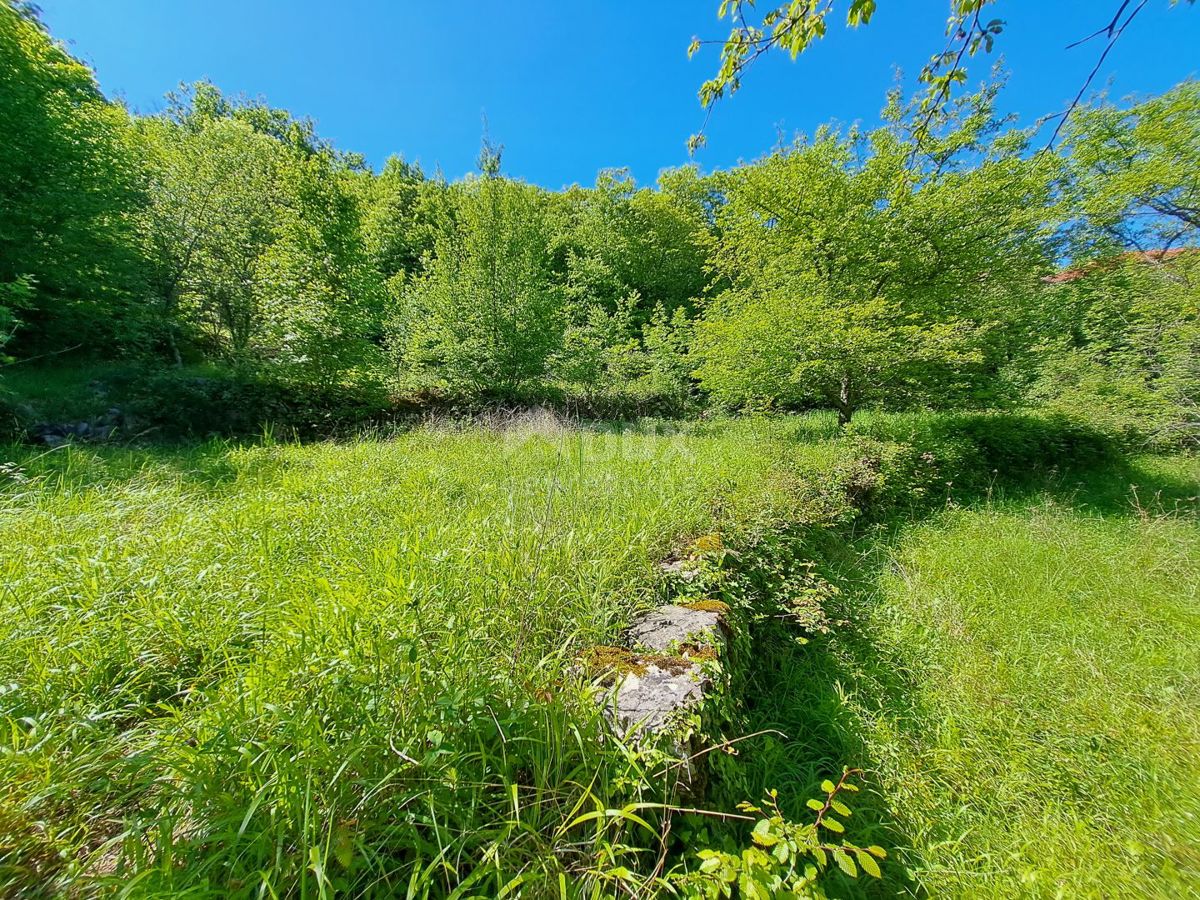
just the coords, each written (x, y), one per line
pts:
(944, 259)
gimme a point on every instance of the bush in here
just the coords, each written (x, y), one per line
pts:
(912, 461)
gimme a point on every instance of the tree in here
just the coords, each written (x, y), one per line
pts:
(1121, 333)
(1126, 354)
(215, 197)
(323, 302)
(397, 223)
(633, 263)
(67, 260)
(254, 232)
(621, 241)
(858, 278)
(486, 316)
(1135, 173)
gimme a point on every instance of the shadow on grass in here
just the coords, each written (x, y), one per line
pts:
(801, 690)
(209, 467)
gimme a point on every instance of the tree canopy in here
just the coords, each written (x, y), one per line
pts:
(910, 265)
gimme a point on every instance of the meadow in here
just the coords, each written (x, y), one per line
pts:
(275, 669)
(278, 668)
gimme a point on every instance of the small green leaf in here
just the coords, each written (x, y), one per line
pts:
(840, 808)
(827, 786)
(816, 805)
(762, 834)
(867, 861)
(833, 824)
(846, 863)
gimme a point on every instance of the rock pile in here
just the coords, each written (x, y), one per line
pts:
(101, 428)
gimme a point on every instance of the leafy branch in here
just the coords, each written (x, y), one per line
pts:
(785, 858)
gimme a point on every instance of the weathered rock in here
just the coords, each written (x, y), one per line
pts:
(670, 627)
(647, 702)
(654, 687)
(55, 434)
(49, 434)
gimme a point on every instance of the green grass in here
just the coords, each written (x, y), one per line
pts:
(290, 669)
(301, 670)
(1021, 679)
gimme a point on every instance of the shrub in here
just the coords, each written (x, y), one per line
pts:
(913, 461)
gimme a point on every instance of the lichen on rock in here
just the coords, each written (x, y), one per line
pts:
(669, 627)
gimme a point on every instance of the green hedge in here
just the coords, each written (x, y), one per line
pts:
(907, 463)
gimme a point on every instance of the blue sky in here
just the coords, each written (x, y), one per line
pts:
(572, 87)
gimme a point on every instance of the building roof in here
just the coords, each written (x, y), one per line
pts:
(1112, 262)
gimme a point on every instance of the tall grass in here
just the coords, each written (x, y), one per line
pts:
(282, 670)
(293, 670)
(1020, 677)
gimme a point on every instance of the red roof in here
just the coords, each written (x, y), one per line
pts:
(1146, 256)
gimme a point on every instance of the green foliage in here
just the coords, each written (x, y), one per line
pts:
(913, 463)
(785, 859)
(241, 404)
(794, 26)
(1116, 335)
(1008, 673)
(1134, 174)
(67, 195)
(400, 220)
(622, 242)
(487, 315)
(856, 279)
(339, 668)
(15, 296)
(255, 241)
(896, 268)
(1123, 352)
(633, 264)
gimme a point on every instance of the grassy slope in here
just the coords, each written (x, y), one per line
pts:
(332, 664)
(339, 664)
(1021, 678)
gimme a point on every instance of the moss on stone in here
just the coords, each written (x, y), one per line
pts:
(615, 662)
(612, 661)
(716, 606)
(676, 665)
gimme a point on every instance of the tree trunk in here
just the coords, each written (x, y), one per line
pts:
(170, 304)
(844, 406)
(173, 345)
